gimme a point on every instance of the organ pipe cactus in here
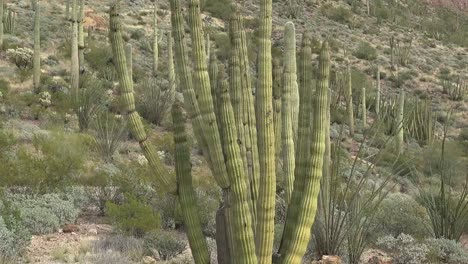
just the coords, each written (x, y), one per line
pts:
(155, 41)
(309, 163)
(399, 122)
(349, 101)
(170, 64)
(377, 96)
(163, 178)
(277, 83)
(37, 49)
(81, 42)
(185, 190)
(213, 71)
(75, 68)
(9, 21)
(363, 107)
(419, 120)
(129, 57)
(1, 23)
(290, 70)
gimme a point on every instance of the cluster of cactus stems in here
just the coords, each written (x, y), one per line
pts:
(37, 48)
(225, 120)
(400, 51)
(9, 20)
(419, 120)
(129, 57)
(455, 90)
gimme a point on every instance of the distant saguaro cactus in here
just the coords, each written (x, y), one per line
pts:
(75, 64)
(1, 23)
(81, 40)
(37, 49)
(155, 40)
(349, 101)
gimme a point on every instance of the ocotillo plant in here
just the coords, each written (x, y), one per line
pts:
(349, 101)
(155, 41)
(455, 90)
(1, 24)
(9, 21)
(37, 48)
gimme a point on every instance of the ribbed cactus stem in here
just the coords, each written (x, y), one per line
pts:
(163, 178)
(81, 41)
(170, 63)
(213, 71)
(67, 9)
(349, 103)
(155, 41)
(378, 93)
(266, 139)
(208, 47)
(185, 189)
(75, 64)
(277, 85)
(250, 121)
(239, 212)
(129, 59)
(363, 107)
(37, 49)
(184, 75)
(287, 134)
(399, 121)
(1, 23)
(290, 68)
(304, 201)
(202, 87)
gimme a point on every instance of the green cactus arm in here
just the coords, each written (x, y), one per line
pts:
(290, 69)
(163, 178)
(155, 41)
(377, 97)
(37, 49)
(185, 78)
(170, 63)
(208, 48)
(266, 139)
(202, 89)
(185, 190)
(363, 107)
(81, 41)
(399, 121)
(75, 64)
(277, 85)
(129, 58)
(1, 23)
(349, 101)
(240, 218)
(287, 134)
(213, 72)
(304, 205)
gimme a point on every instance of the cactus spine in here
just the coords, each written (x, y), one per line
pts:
(239, 212)
(377, 97)
(266, 139)
(81, 42)
(290, 68)
(301, 211)
(75, 68)
(349, 102)
(37, 49)
(155, 40)
(399, 122)
(1, 23)
(162, 176)
(364, 107)
(129, 58)
(185, 190)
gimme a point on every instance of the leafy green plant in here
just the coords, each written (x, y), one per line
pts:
(338, 14)
(133, 217)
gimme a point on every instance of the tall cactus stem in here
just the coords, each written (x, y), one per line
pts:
(277, 85)
(363, 107)
(213, 71)
(162, 177)
(81, 39)
(75, 64)
(170, 63)
(349, 103)
(399, 122)
(129, 59)
(37, 48)
(302, 210)
(378, 94)
(185, 190)
(155, 41)
(290, 68)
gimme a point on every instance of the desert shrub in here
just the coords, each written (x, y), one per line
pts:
(443, 250)
(109, 257)
(338, 13)
(404, 249)
(4, 88)
(154, 99)
(129, 247)
(133, 217)
(12, 234)
(100, 59)
(137, 34)
(165, 243)
(21, 57)
(90, 100)
(109, 131)
(365, 51)
(411, 218)
(218, 8)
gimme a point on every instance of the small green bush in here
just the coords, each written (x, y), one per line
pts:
(133, 217)
(365, 52)
(4, 88)
(404, 249)
(218, 8)
(14, 238)
(446, 251)
(400, 213)
(166, 243)
(128, 246)
(338, 14)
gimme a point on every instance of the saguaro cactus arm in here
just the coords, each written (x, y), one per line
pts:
(37, 48)
(162, 177)
(185, 190)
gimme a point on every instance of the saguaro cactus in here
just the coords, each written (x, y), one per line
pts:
(162, 176)
(363, 107)
(81, 41)
(170, 63)
(185, 190)
(399, 122)
(309, 165)
(377, 96)
(129, 57)
(155, 41)
(277, 83)
(349, 101)
(75, 65)
(1, 24)
(290, 70)
(37, 48)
